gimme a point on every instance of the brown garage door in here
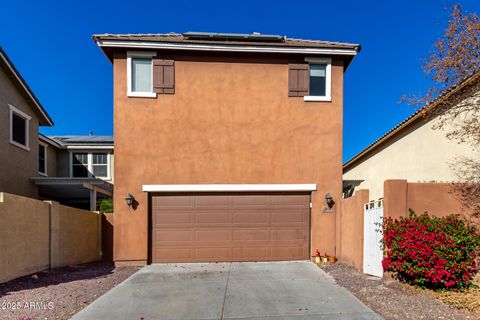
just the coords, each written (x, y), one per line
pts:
(229, 227)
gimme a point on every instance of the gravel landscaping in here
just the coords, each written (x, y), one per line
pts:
(394, 300)
(59, 293)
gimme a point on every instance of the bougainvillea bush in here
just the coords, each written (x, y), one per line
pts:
(431, 252)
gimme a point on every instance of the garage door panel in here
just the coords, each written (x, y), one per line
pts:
(212, 202)
(212, 253)
(172, 254)
(173, 202)
(173, 235)
(249, 217)
(213, 235)
(251, 235)
(288, 252)
(289, 235)
(250, 201)
(230, 228)
(212, 218)
(288, 217)
(250, 254)
(173, 218)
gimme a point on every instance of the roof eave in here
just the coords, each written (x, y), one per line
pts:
(129, 44)
(45, 119)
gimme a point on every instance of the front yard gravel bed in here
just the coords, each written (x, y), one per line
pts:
(59, 293)
(392, 299)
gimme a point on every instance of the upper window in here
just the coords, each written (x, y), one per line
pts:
(42, 159)
(19, 128)
(319, 79)
(100, 164)
(140, 75)
(85, 164)
(80, 165)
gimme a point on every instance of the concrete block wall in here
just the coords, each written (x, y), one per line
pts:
(37, 235)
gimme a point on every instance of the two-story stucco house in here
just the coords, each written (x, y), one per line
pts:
(74, 170)
(227, 146)
(21, 114)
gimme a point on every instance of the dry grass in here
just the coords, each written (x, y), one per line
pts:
(469, 299)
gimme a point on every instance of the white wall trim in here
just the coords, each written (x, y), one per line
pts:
(205, 47)
(227, 187)
(27, 119)
(90, 147)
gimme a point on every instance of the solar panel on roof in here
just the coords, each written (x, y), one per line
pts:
(234, 36)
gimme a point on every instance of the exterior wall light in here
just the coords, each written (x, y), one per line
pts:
(129, 200)
(329, 201)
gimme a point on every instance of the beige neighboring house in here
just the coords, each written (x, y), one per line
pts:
(413, 150)
(21, 115)
(74, 170)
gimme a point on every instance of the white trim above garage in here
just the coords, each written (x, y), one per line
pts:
(227, 187)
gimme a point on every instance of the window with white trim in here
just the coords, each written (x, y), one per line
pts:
(90, 164)
(319, 79)
(19, 128)
(100, 164)
(42, 159)
(140, 74)
(80, 165)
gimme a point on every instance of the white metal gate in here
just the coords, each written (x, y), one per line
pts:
(372, 237)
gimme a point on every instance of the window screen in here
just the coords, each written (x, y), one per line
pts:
(318, 77)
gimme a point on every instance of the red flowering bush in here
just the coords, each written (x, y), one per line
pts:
(431, 252)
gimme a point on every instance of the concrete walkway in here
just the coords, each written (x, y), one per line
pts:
(263, 290)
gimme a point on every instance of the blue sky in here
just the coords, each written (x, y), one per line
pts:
(50, 43)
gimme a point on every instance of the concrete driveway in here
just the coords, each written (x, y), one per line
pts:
(263, 290)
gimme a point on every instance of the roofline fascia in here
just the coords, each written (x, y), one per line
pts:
(50, 141)
(89, 147)
(25, 87)
(223, 48)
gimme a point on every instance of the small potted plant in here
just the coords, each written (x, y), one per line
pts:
(332, 259)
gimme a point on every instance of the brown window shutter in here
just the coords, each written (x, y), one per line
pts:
(164, 76)
(297, 80)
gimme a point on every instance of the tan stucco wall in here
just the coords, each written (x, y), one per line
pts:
(420, 154)
(351, 230)
(74, 235)
(17, 164)
(436, 198)
(230, 121)
(24, 236)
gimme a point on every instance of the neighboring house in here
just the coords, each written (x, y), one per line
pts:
(69, 169)
(21, 115)
(75, 170)
(414, 150)
(227, 146)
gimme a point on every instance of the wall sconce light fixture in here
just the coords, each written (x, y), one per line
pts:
(129, 200)
(329, 201)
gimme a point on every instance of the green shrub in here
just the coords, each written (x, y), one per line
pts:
(105, 205)
(431, 252)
